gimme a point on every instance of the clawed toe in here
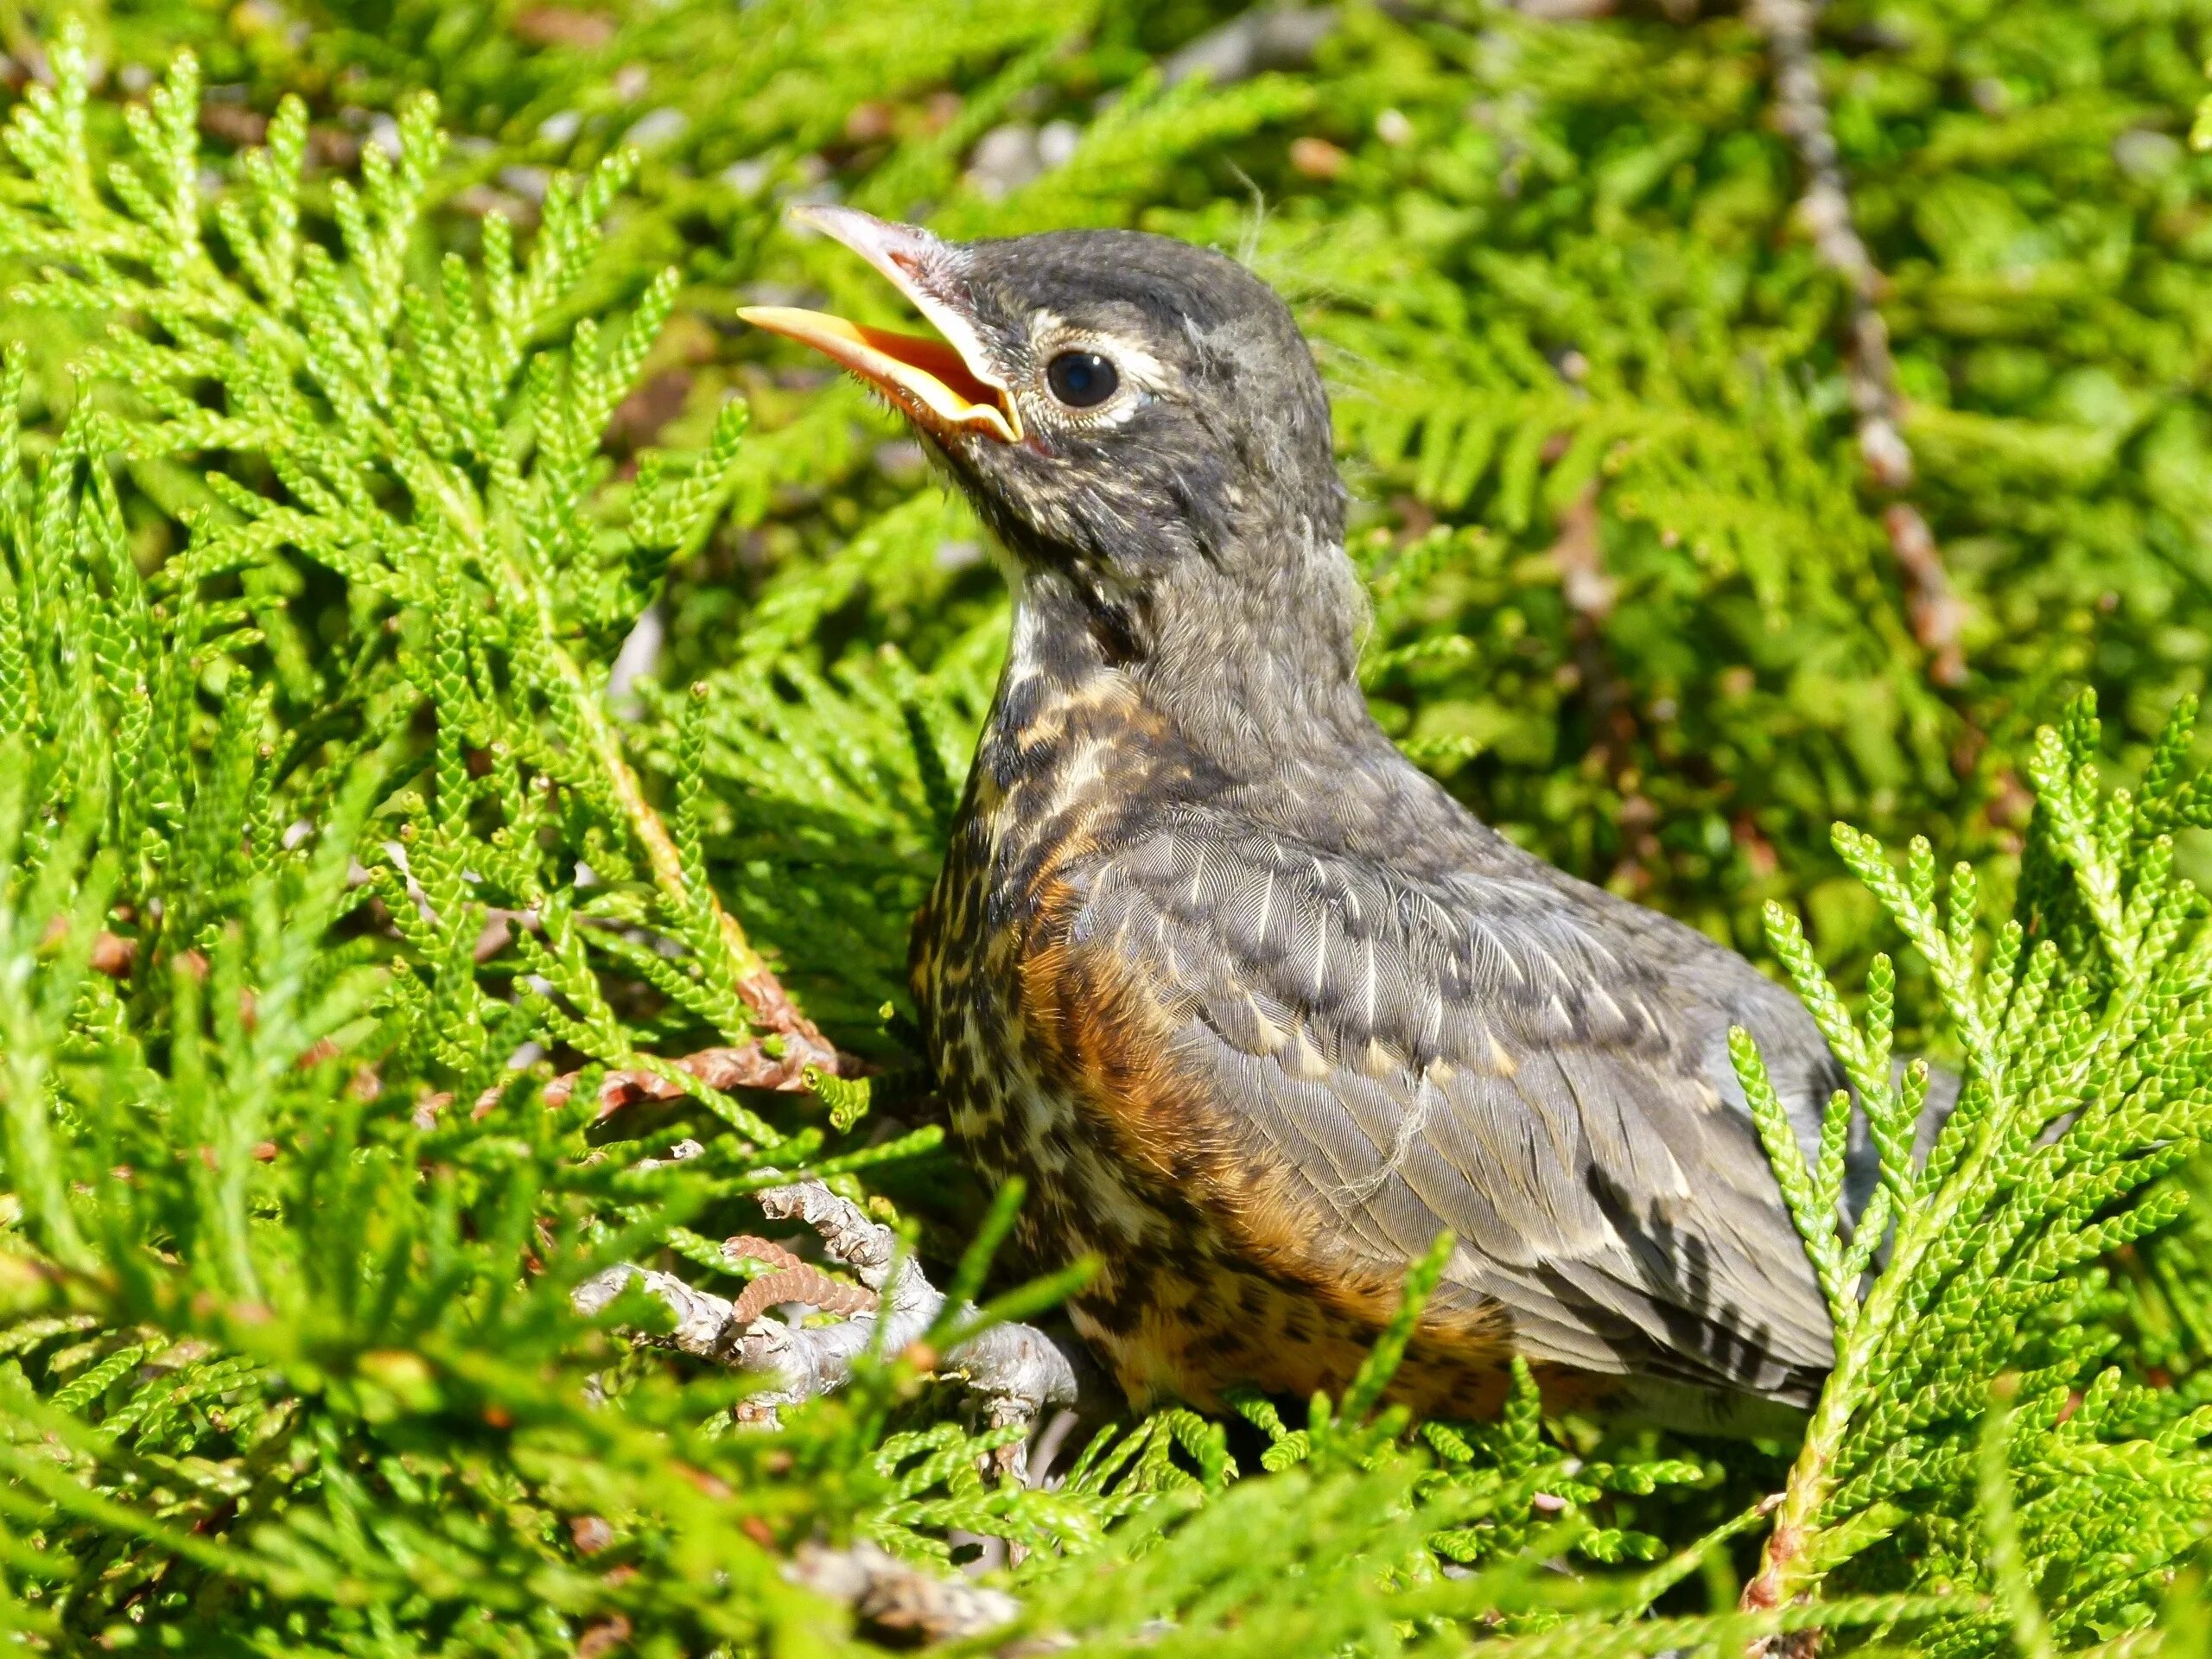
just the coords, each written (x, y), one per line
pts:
(1015, 1370)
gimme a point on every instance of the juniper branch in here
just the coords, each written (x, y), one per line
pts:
(755, 984)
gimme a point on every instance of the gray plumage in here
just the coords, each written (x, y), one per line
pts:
(1205, 934)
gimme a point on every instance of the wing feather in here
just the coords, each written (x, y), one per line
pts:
(1402, 1055)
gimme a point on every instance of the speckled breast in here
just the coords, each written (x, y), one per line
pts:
(1171, 1309)
(1051, 783)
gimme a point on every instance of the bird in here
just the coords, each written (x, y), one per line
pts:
(1255, 1008)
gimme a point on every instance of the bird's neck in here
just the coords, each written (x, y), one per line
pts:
(1245, 668)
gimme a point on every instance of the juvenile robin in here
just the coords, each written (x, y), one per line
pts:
(1256, 1008)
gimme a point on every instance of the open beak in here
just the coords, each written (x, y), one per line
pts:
(943, 384)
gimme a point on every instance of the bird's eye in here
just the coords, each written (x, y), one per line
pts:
(1080, 379)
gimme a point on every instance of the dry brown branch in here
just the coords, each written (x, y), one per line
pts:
(1936, 613)
(1802, 113)
(748, 1065)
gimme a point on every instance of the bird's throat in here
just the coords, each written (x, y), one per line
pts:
(1237, 670)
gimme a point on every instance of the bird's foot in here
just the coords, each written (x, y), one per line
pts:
(1014, 1371)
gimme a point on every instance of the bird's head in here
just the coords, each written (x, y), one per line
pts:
(1137, 420)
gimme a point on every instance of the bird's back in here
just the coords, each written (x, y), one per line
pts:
(1257, 1034)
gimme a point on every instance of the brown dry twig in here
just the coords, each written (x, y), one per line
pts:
(1802, 113)
(747, 1066)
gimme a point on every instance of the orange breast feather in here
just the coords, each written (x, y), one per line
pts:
(1102, 1026)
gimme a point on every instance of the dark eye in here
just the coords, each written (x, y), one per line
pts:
(1080, 379)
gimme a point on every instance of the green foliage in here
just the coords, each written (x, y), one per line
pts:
(341, 455)
(2082, 1095)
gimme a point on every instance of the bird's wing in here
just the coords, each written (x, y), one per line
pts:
(1337, 1063)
